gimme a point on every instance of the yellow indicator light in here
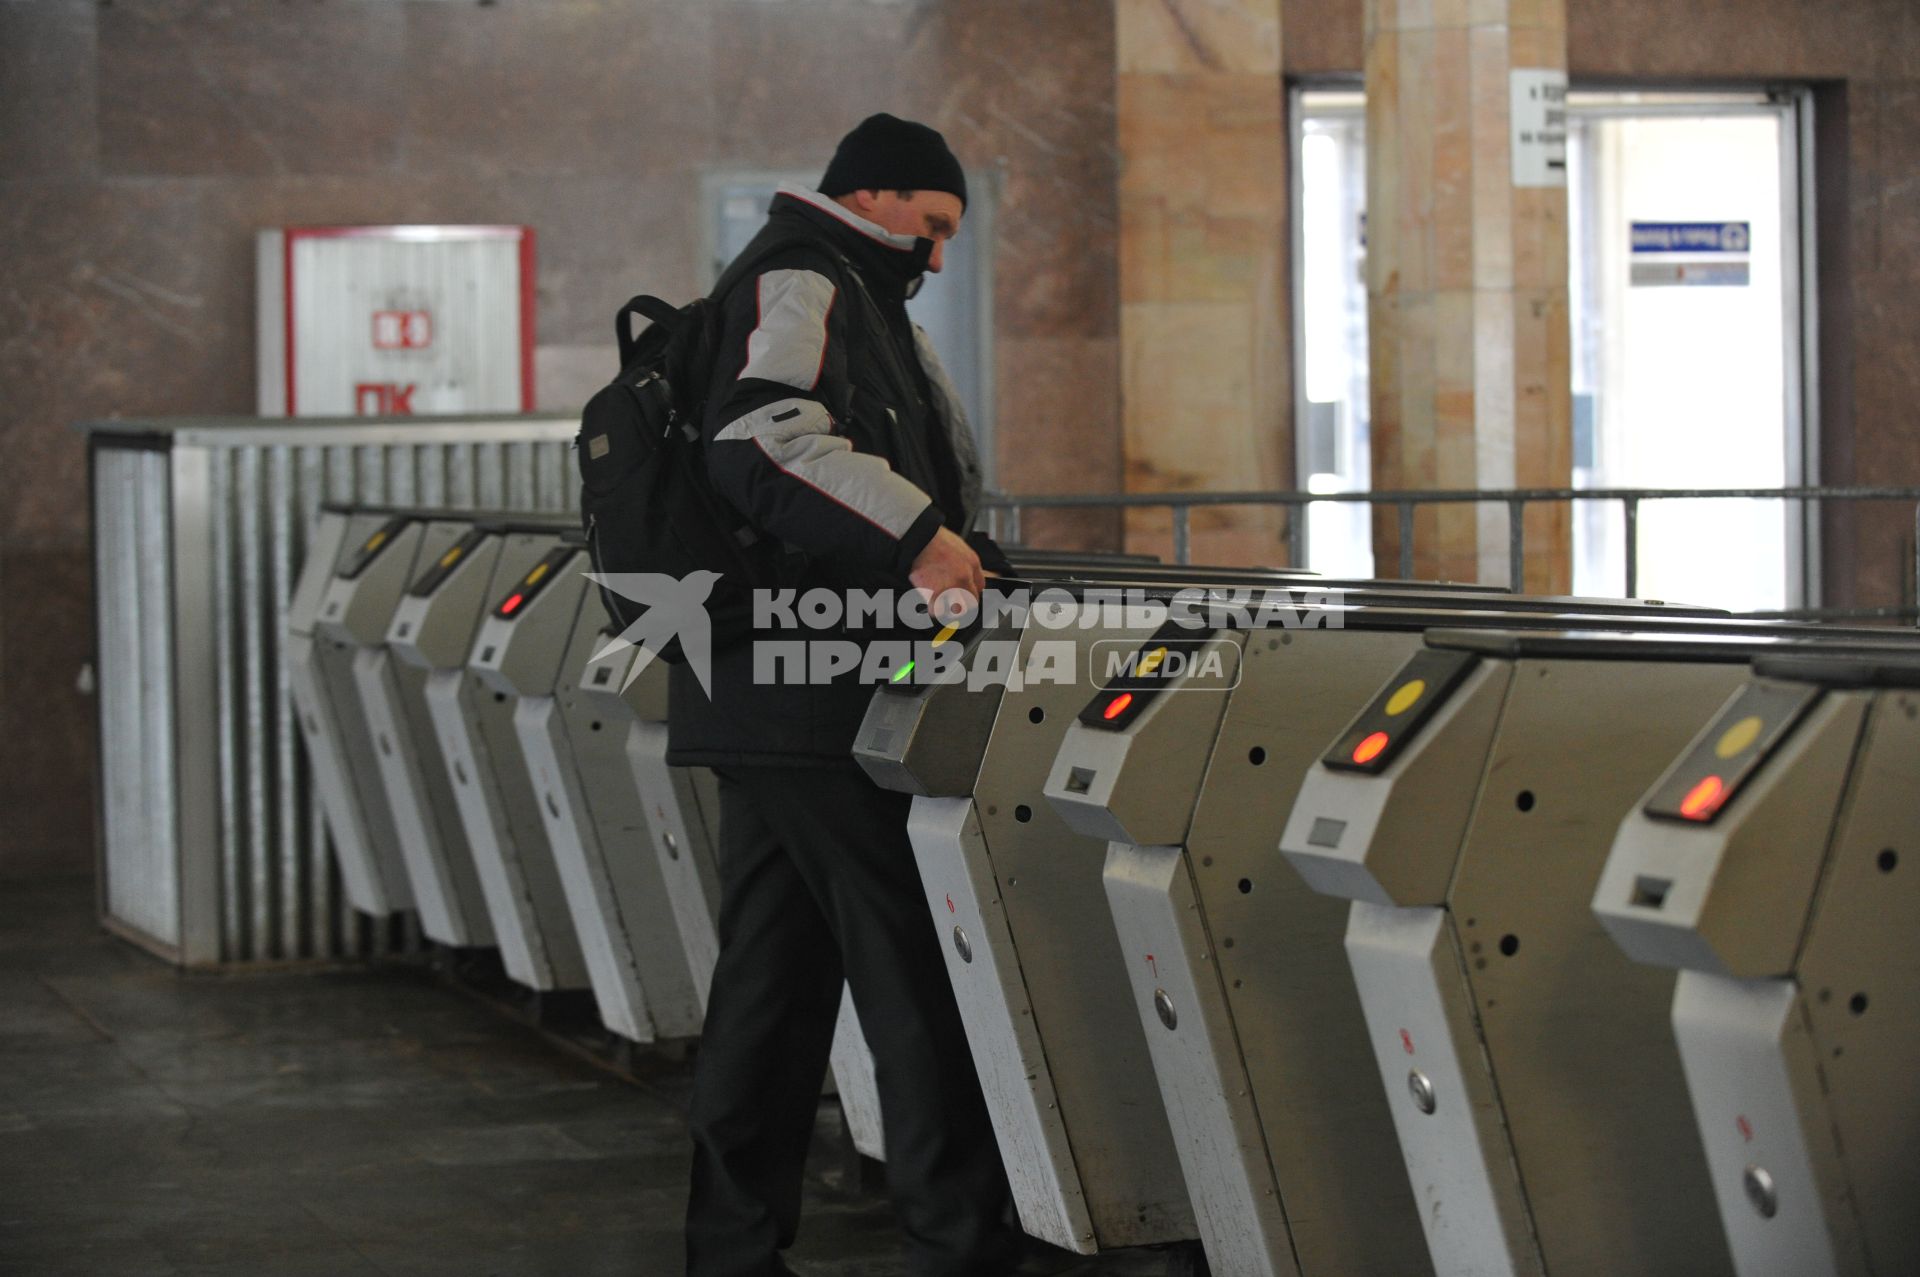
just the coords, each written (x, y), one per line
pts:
(373, 542)
(533, 577)
(1404, 697)
(447, 559)
(1739, 737)
(945, 634)
(1151, 661)
(902, 672)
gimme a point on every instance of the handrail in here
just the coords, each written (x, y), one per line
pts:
(1405, 500)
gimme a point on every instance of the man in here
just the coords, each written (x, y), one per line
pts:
(833, 429)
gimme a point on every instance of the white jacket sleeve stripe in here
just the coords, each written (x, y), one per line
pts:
(795, 435)
(789, 344)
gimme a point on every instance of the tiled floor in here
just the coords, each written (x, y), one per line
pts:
(340, 1123)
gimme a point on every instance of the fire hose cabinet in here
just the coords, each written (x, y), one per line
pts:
(395, 321)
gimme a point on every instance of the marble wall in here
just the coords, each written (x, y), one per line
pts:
(142, 143)
(1205, 391)
(1466, 287)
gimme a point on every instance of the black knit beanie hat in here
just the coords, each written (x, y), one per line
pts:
(885, 153)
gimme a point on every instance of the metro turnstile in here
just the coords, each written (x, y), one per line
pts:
(320, 676)
(1533, 1082)
(1288, 1147)
(1015, 897)
(422, 635)
(603, 844)
(1030, 944)
(389, 706)
(1774, 864)
(472, 724)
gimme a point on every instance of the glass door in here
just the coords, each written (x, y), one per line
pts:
(1686, 260)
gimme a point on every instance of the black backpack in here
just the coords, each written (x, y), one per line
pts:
(645, 498)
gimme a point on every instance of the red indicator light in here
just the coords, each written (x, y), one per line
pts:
(1703, 799)
(1369, 749)
(512, 604)
(1117, 706)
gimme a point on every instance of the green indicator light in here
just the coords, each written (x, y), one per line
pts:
(902, 672)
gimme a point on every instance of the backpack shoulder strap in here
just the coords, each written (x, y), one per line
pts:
(651, 309)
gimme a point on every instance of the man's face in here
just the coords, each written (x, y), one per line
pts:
(933, 215)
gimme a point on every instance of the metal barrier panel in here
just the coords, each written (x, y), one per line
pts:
(139, 886)
(213, 848)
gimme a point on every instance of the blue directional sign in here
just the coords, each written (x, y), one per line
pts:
(1692, 237)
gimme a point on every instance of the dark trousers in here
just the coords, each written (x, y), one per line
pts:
(817, 879)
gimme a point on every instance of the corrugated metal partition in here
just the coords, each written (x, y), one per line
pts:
(214, 849)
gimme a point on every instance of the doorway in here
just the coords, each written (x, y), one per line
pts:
(1689, 242)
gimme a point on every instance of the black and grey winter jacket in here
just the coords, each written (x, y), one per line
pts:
(833, 428)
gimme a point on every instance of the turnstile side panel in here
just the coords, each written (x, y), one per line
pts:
(1289, 990)
(1197, 1059)
(434, 781)
(1420, 1019)
(851, 1063)
(1577, 1033)
(612, 969)
(332, 779)
(1861, 948)
(964, 902)
(629, 859)
(525, 847)
(1048, 881)
(333, 662)
(595, 724)
(1748, 1059)
(418, 834)
(683, 849)
(485, 826)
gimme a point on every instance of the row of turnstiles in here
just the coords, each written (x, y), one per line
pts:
(1397, 928)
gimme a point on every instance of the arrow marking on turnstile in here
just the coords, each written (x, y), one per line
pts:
(950, 908)
(1152, 968)
(1406, 1040)
(1746, 1128)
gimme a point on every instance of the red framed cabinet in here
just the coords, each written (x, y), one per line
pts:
(394, 321)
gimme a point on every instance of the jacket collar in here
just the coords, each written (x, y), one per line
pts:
(900, 260)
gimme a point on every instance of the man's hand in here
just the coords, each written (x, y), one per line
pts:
(947, 563)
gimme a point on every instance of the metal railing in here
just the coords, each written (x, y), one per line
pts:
(1004, 511)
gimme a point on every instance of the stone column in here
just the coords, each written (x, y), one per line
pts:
(1206, 398)
(1467, 276)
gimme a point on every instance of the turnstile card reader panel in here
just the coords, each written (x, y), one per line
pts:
(1181, 681)
(1728, 889)
(1367, 828)
(523, 639)
(913, 741)
(434, 625)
